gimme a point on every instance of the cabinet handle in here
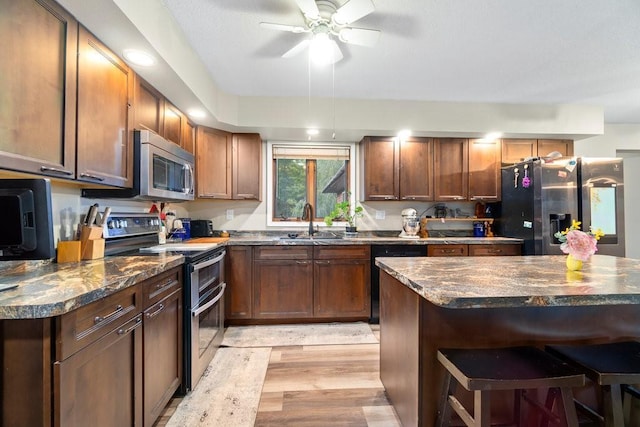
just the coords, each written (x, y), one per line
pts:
(55, 170)
(160, 308)
(99, 319)
(165, 284)
(302, 262)
(138, 321)
(323, 262)
(495, 251)
(390, 198)
(88, 175)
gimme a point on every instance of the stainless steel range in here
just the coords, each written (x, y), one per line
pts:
(204, 287)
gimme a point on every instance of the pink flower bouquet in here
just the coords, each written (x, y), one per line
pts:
(577, 243)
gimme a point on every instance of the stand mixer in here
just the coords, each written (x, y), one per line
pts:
(410, 224)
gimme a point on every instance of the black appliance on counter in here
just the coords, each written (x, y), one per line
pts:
(204, 285)
(201, 228)
(26, 218)
(387, 251)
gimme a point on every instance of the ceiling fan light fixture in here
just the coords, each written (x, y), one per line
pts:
(321, 49)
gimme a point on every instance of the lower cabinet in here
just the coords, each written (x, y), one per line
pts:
(239, 276)
(283, 282)
(114, 362)
(342, 277)
(474, 250)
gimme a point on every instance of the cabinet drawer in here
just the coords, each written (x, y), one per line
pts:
(159, 287)
(87, 324)
(494, 250)
(283, 252)
(447, 250)
(342, 252)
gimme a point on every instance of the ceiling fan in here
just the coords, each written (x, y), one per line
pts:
(325, 22)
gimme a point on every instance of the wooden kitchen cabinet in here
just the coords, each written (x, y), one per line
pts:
(174, 122)
(447, 250)
(213, 163)
(283, 282)
(484, 170)
(189, 137)
(38, 87)
(342, 276)
(105, 93)
(247, 166)
(505, 249)
(162, 342)
(451, 169)
(397, 170)
(516, 150)
(148, 106)
(239, 277)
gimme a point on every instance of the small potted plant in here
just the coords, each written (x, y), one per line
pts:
(342, 212)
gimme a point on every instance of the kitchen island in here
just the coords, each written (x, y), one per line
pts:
(430, 303)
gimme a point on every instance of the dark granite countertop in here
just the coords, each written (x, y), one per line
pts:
(47, 289)
(520, 281)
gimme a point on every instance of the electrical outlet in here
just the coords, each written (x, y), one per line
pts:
(229, 214)
(380, 214)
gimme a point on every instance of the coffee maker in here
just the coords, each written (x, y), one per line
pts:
(410, 224)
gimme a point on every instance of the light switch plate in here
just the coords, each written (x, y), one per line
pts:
(380, 214)
(229, 213)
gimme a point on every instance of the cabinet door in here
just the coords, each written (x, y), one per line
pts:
(283, 289)
(484, 170)
(238, 274)
(213, 163)
(515, 150)
(416, 169)
(563, 146)
(495, 250)
(380, 168)
(101, 385)
(148, 107)
(247, 166)
(342, 288)
(173, 123)
(447, 250)
(162, 347)
(451, 169)
(105, 88)
(38, 88)
(189, 137)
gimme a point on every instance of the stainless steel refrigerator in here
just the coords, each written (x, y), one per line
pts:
(541, 197)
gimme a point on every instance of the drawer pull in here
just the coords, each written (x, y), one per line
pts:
(160, 308)
(166, 284)
(495, 251)
(138, 321)
(323, 262)
(99, 319)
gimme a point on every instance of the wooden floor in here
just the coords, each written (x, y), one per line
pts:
(337, 385)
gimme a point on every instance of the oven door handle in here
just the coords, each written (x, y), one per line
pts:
(207, 263)
(196, 312)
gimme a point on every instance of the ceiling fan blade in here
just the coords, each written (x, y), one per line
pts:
(352, 11)
(309, 8)
(297, 49)
(359, 36)
(283, 27)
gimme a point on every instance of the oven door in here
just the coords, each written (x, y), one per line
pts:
(207, 315)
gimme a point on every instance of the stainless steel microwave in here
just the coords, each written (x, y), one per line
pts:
(163, 171)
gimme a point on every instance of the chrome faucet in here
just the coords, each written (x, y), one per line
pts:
(307, 210)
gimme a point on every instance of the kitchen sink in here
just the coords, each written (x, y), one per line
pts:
(304, 237)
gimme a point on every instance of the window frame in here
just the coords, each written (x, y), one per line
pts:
(353, 159)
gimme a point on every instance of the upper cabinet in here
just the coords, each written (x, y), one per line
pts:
(105, 91)
(451, 166)
(396, 170)
(516, 150)
(38, 88)
(247, 166)
(228, 166)
(484, 170)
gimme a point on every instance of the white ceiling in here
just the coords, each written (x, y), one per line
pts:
(486, 51)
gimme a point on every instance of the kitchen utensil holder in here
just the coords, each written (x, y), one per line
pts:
(69, 251)
(92, 242)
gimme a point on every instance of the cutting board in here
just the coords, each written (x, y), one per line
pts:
(207, 240)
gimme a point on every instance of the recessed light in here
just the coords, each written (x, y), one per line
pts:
(312, 132)
(197, 113)
(139, 57)
(404, 134)
(492, 136)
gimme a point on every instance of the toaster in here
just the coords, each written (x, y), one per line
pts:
(201, 228)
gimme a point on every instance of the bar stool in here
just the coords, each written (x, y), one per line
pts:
(614, 367)
(514, 368)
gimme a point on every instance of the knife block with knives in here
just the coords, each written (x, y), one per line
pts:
(89, 243)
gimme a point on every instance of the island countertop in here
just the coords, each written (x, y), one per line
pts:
(46, 289)
(493, 282)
